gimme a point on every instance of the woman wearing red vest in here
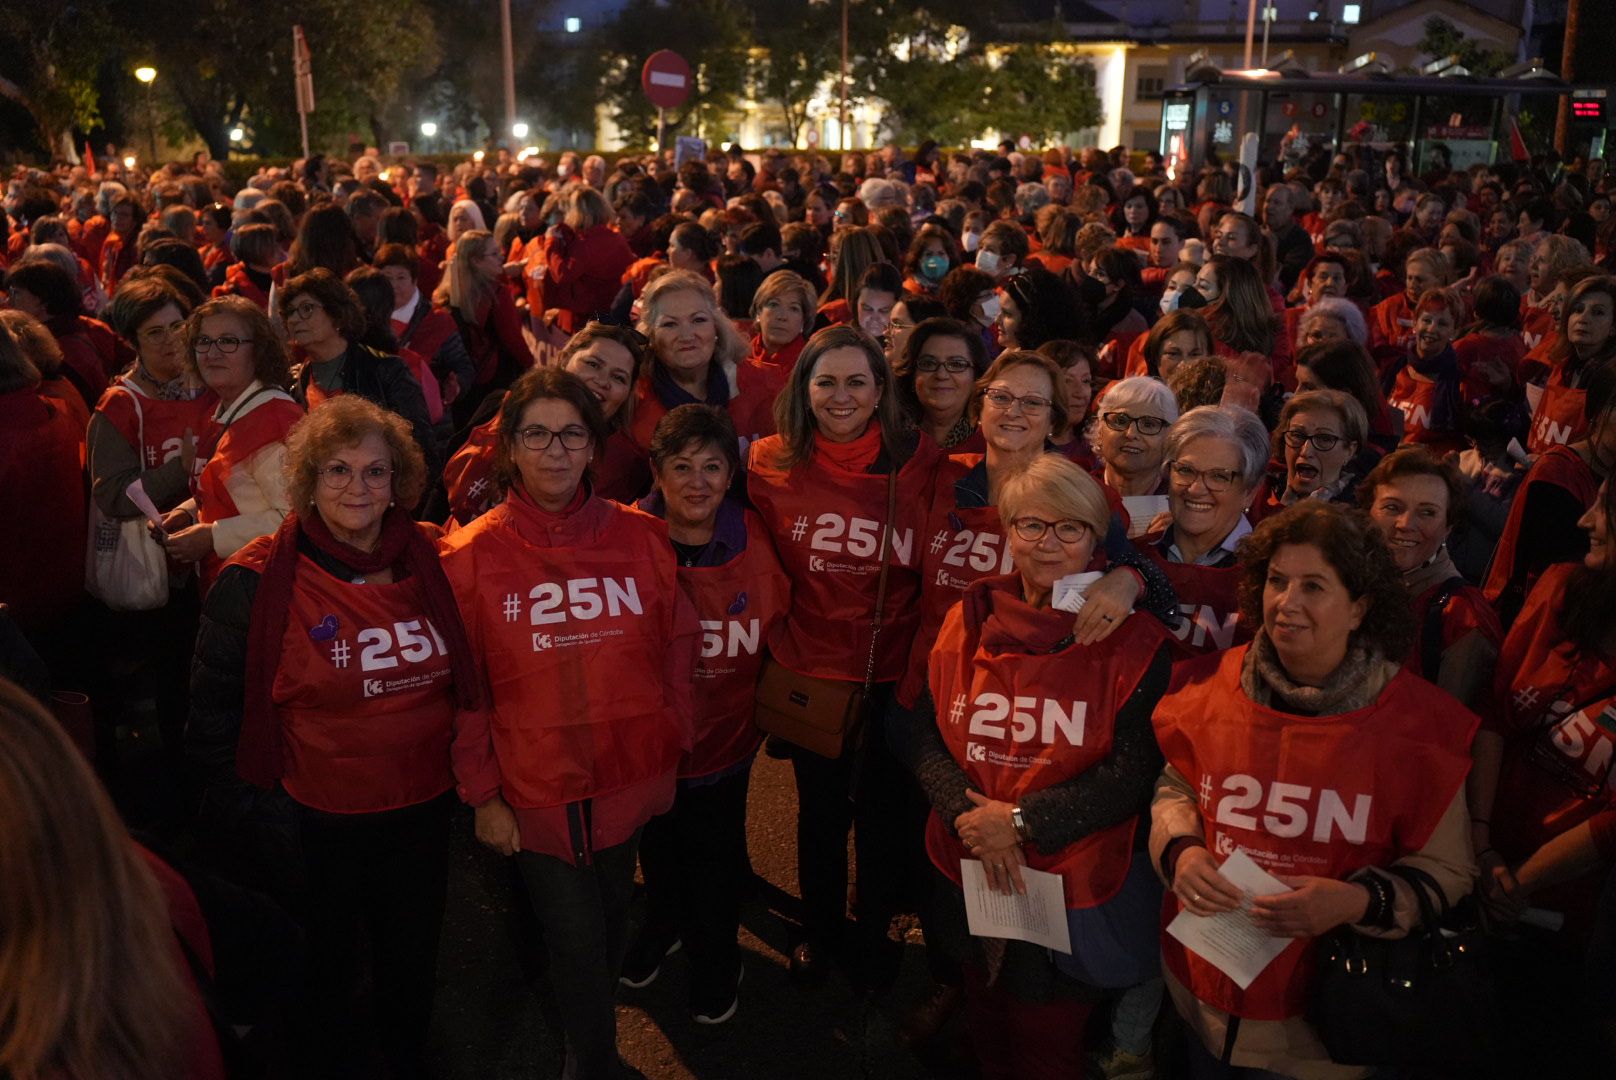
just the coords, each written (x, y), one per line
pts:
(329, 669)
(608, 359)
(562, 593)
(821, 488)
(1556, 491)
(1424, 384)
(697, 357)
(1059, 784)
(585, 259)
(1588, 333)
(783, 308)
(1544, 822)
(1391, 322)
(473, 291)
(1216, 456)
(1310, 720)
(1131, 438)
(239, 490)
(1318, 439)
(694, 856)
(936, 382)
(89, 915)
(1416, 500)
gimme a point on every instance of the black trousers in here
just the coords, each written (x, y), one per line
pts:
(377, 884)
(584, 911)
(866, 789)
(694, 861)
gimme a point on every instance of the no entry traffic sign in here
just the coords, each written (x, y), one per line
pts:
(666, 79)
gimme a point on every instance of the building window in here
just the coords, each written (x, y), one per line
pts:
(1149, 84)
(575, 24)
(1350, 13)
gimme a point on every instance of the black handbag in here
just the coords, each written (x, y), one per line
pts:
(1427, 999)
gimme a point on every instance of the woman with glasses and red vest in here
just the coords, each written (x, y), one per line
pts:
(1034, 748)
(329, 670)
(1297, 748)
(586, 647)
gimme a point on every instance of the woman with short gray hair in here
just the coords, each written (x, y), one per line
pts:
(1134, 416)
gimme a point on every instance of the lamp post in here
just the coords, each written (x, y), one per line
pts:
(148, 75)
(428, 130)
(846, 140)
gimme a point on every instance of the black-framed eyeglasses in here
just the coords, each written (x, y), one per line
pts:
(304, 310)
(1121, 421)
(1032, 529)
(1214, 480)
(226, 344)
(930, 365)
(1031, 404)
(339, 477)
(540, 438)
(1323, 441)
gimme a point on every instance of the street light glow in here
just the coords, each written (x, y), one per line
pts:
(429, 129)
(129, 162)
(477, 156)
(574, 24)
(237, 134)
(519, 129)
(146, 73)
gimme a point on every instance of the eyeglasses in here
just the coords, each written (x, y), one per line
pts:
(540, 438)
(1214, 480)
(339, 477)
(303, 311)
(158, 333)
(227, 344)
(1121, 421)
(1031, 404)
(1032, 530)
(1322, 441)
(929, 365)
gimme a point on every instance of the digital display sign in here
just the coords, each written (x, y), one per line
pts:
(1588, 106)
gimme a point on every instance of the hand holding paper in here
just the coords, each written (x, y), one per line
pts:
(1231, 941)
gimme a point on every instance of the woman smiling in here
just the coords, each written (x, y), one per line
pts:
(941, 362)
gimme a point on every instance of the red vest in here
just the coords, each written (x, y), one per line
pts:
(223, 447)
(468, 478)
(958, 546)
(364, 692)
(1560, 466)
(1311, 796)
(1559, 709)
(826, 525)
(1466, 610)
(1019, 718)
(1558, 419)
(1208, 600)
(237, 283)
(1415, 398)
(739, 604)
(572, 641)
(159, 429)
(1536, 323)
(1391, 329)
(751, 409)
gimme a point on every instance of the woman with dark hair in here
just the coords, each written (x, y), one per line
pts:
(841, 445)
(1391, 322)
(424, 330)
(1588, 343)
(1179, 337)
(1425, 384)
(1036, 307)
(877, 294)
(1542, 817)
(1348, 368)
(932, 254)
(1319, 701)
(334, 773)
(49, 293)
(935, 381)
(609, 360)
(183, 256)
(738, 281)
(325, 239)
(1557, 490)
(568, 792)
(376, 295)
(694, 856)
(325, 318)
(853, 251)
(1134, 219)
(252, 274)
(1238, 311)
(1491, 350)
(783, 311)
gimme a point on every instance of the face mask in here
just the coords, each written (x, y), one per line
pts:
(990, 310)
(1170, 300)
(987, 262)
(934, 267)
(971, 240)
(1192, 298)
(1092, 291)
(1207, 291)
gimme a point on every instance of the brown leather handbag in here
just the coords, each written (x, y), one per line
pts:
(824, 715)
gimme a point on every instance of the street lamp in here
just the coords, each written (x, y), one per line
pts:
(148, 75)
(237, 134)
(429, 129)
(519, 129)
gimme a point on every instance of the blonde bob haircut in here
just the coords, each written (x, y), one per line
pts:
(783, 284)
(340, 424)
(728, 350)
(587, 208)
(1059, 486)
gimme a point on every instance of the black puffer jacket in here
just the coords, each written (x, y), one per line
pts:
(387, 381)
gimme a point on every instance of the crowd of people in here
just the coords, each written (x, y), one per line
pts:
(1048, 511)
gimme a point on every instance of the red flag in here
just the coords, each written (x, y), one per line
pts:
(1517, 145)
(89, 156)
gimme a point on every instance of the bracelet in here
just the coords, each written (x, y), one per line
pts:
(1380, 900)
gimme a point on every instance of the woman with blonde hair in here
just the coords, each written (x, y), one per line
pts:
(473, 292)
(854, 250)
(697, 357)
(783, 309)
(585, 258)
(92, 973)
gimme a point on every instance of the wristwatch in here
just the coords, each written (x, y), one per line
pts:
(1019, 823)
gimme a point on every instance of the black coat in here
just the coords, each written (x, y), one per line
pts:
(387, 381)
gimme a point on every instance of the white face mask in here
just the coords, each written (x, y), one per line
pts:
(990, 309)
(1169, 300)
(972, 240)
(987, 262)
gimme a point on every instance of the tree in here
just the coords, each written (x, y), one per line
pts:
(712, 35)
(50, 54)
(1442, 38)
(1039, 90)
(799, 49)
(929, 75)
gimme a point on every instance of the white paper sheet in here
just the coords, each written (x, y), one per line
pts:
(1038, 917)
(137, 495)
(1142, 510)
(1068, 592)
(1230, 941)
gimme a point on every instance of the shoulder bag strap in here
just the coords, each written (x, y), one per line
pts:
(881, 582)
(1426, 891)
(1431, 646)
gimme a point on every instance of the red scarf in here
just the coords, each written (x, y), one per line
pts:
(259, 751)
(854, 457)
